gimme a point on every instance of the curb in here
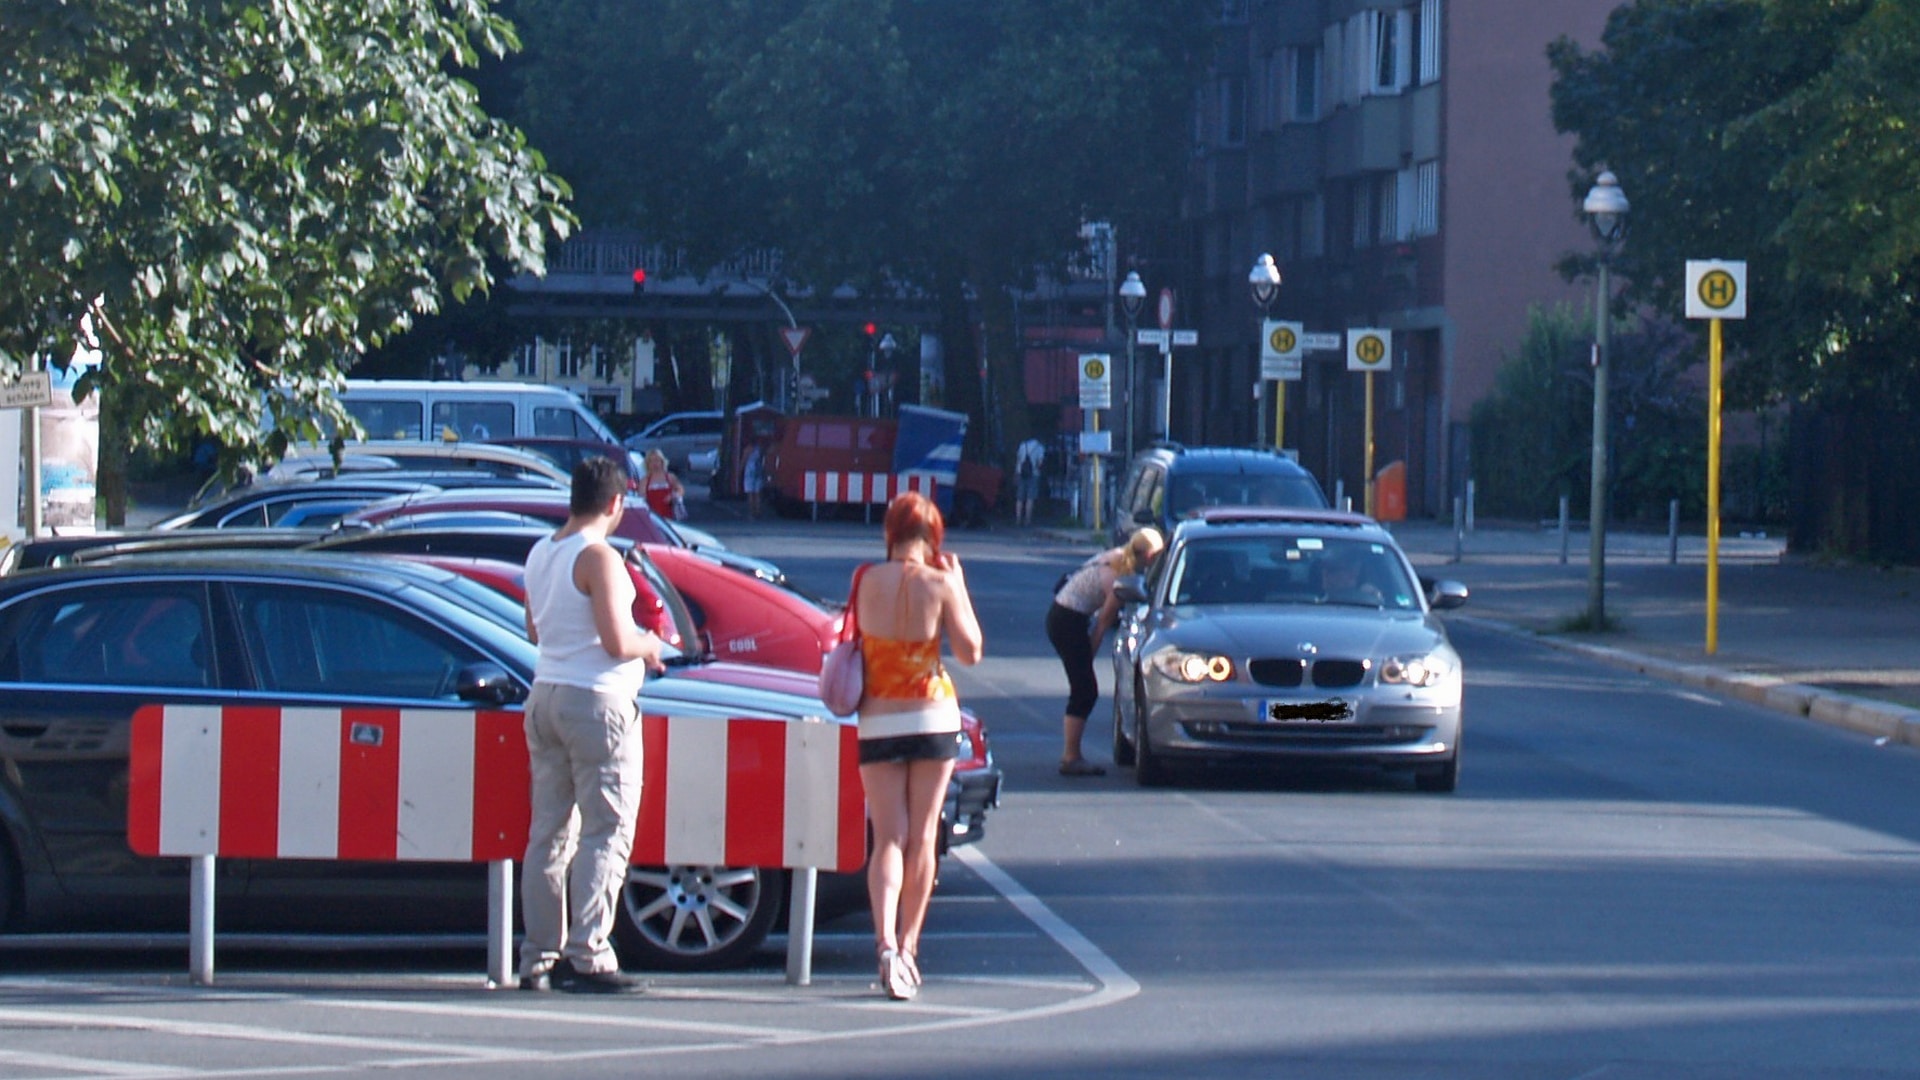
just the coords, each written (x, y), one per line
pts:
(1885, 721)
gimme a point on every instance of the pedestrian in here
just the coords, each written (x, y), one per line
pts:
(1084, 608)
(753, 477)
(662, 489)
(909, 722)
(1027, 462)
(583, 740)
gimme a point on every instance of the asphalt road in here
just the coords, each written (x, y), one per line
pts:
(1634, 880)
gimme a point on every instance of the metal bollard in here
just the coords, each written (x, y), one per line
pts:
(1673, 532)
(1563, 530)
(1470, 504)
(1459, 536)
(1340, 495)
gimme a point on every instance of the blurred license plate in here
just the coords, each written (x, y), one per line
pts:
(1310, 712)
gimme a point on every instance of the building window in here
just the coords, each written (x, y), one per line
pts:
(1387, 188)
(1233, 112)
(526, 360)
(605, 367)
(1377, 47)
(1300, 84)
(1429, 38)
(1426, 215)
(566, 365)
(1363, 199)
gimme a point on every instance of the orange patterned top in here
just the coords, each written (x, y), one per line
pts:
(905, 670)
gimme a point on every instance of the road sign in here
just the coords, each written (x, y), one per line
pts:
(796, 338)
(34, 389)
(1369, 349)
(1096, 381)
(1096, 442)
(1166, 309)
(1185, 337)
(1280, 348)
(1716, 289)
(1152, 337)
(1321, 342)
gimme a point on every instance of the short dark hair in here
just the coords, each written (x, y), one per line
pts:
(596, 480)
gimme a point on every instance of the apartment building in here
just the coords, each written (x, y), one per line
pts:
(1398, 160)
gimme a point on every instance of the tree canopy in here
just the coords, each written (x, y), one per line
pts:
(246, 195)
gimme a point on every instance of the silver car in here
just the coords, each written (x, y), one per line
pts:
(1300, 635)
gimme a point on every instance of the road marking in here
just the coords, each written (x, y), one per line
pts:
(758, 1033)
(187, 1029)
(67, 1064)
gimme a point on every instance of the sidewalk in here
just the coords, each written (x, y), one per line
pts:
(1837, 643)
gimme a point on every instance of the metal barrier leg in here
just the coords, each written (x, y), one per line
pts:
(800, 928)
(500, 963)
(200, 925)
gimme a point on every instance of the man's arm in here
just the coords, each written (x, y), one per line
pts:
(598, 572)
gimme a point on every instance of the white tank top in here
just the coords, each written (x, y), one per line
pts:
(570, 649)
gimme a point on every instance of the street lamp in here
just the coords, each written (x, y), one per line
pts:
(1263, 281)
(1133, 293)
(1606, 209)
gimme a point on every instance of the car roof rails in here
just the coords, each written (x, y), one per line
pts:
(1287, 515)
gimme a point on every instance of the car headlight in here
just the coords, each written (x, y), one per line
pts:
(1428, 670)
(1192, 667)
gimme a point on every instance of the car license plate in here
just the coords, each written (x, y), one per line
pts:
(1333, 711)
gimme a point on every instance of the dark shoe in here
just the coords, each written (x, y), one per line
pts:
(1081, 767)
(539, 983)
(572, 980)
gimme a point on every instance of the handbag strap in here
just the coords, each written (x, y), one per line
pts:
(850, 629)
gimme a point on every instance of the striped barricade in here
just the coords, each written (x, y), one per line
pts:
(861, 488)
(264, 782)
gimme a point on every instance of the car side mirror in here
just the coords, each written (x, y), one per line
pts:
(1131, 589)
(488, 683)
(1446, 594)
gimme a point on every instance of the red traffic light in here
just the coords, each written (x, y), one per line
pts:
(639, 278)
(869, 329)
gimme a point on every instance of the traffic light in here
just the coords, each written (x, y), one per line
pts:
(639, 280)
(869, 329)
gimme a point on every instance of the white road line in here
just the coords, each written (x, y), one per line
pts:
(692, 1027)
(68, 1064)
(200, 1030)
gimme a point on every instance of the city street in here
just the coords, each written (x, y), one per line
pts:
(1635, 879)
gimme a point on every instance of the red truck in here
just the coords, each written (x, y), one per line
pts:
(817, 461)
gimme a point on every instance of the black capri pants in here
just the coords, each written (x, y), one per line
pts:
(1069, 632)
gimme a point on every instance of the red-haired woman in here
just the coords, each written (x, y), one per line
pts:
(909, 722)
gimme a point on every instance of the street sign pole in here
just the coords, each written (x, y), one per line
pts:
(1716, 290)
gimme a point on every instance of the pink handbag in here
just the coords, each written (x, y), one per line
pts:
(843, 675)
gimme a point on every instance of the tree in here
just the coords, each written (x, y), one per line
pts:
(246, 196)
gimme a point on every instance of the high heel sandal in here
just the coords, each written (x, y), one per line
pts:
(912, 963)
(894, 978)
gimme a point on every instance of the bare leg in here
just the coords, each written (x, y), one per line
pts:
(926, 790)
(886, 784)
(1075, 729)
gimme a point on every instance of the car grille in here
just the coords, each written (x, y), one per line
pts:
(1289, 672)
(1305, 736)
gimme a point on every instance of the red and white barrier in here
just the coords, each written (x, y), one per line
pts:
(859, 487)
(452, 786)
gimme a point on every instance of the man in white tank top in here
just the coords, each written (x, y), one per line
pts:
(583, 741)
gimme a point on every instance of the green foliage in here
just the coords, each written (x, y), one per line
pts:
(246, 196)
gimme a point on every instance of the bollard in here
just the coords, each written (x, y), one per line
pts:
(1673, 532)
(1340, 495)
(1563, 530)
(1469, 504)
(1458, 536)
(200, 921)
(800, 915)
(500, 959)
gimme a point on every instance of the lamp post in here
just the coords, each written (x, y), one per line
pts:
(1606, 209)
(884, 377)
(1263, 281)
(1133, 293)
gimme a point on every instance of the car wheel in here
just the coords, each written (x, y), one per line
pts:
(1440, 780)
(696, 918)
(1122, 749)
(1149, 770)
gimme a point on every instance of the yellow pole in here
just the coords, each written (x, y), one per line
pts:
(1713, 487)
(1279, 414)
(1369, 455)
(1096, 475)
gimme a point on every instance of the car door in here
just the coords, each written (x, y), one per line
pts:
(77, 659)
(1130, 639)
(319, 645)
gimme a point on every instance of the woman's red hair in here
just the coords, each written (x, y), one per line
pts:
(913, 516)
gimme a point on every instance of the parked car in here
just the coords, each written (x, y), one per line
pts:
(478, 410)
(307, 462)
(1273, 635)
(81, 648)
(1168, 482)
(678, 435)
(314, 504)
(566, 454)
(37, 552)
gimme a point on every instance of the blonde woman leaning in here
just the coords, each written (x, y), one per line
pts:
(1084, 609)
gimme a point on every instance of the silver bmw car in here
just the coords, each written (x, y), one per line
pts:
(1302, 635)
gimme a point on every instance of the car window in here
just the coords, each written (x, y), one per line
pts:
(473, 419)
(558, 423)
(1331, 570)
(110, 634)
(386, 419)
(323, 641)
(1191, 492)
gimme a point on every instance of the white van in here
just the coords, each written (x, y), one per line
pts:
(432, 409)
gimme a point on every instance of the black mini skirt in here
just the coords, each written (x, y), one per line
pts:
(903, 748)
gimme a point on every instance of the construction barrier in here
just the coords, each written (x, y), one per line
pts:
(264, 782)
(866, 489)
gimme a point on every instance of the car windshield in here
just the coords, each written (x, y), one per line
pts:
(1291, 570)
(1192, 492)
